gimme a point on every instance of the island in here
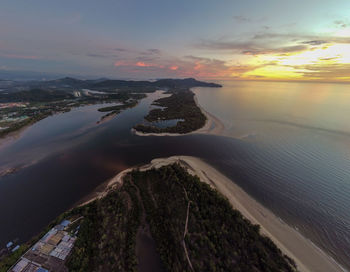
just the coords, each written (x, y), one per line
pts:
(180, 107)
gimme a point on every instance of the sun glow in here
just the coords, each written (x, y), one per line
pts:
(299, 65)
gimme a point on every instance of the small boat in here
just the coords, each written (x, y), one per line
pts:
(9, 244)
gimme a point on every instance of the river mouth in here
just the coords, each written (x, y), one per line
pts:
(301, 175)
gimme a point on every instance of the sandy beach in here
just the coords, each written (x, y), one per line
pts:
(307, 256)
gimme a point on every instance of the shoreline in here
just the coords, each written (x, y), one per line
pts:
(212, 125)
(13, 135)
(304, 252)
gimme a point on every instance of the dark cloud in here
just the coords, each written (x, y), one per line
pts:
(280, 50)
(241, 18)
(147, 52)
(150, 52)
(147, 58)
(154, 51)
(329, 72)
(341, 23)
(226, 45)
(270, 43)
(121, 49)
(105, 56)
(315, 42)
(251, 47)
(207, 67)
(269, 37)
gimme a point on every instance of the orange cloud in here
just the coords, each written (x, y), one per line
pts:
(198, 66)
(137, 64)
(120, 63)
(143, 64)
(174, 67)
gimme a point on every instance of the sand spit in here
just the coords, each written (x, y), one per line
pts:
(307, 256)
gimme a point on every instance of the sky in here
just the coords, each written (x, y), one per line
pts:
(206, 39)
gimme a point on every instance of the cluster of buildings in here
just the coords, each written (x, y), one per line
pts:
(12, 105)
(76, 94)
(50, 252)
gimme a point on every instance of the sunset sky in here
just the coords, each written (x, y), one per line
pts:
(222, 39)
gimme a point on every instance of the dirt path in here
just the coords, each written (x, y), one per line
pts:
(185, 230)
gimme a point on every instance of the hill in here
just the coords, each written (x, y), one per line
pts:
(34, 95)
(168, 83)
(184, 83)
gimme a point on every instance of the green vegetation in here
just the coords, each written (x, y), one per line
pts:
(180, 105)
(167, 82)
(26, 122)
(107, 236)
(50, 102)
(114, 110)
(119, 108)
(218, 237)
(40, 99)
(35, 95)
(9, 260)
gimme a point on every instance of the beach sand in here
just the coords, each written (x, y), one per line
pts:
(307, 256)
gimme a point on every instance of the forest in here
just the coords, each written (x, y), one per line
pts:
(180, 105)
(217, 238)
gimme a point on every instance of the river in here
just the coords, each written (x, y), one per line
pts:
(286, 144)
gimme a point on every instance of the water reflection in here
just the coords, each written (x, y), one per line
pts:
(290, 156)
(299, 152)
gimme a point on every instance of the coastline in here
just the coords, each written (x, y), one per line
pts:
(14, 135)
(307, 255)
(212, 126)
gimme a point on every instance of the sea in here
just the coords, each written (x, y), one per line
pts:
(287, 144)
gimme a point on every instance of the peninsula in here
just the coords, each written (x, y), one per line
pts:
(160, 219)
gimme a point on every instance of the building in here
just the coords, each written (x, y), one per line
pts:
(50, 252)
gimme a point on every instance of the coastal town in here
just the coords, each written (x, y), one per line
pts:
(50, 252)
(24, 108)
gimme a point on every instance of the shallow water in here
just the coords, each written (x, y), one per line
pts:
(286, 144)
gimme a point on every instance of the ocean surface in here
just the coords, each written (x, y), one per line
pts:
(286, 144)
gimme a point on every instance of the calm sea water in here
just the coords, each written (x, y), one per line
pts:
(286, 144)
(298, 160)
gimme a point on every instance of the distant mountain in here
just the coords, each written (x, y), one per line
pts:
(27, 75)
(186, 82)
(122, 83)
(35, 95)
(100, 79)
(66, 82)
(171, 83)
(71, 84)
